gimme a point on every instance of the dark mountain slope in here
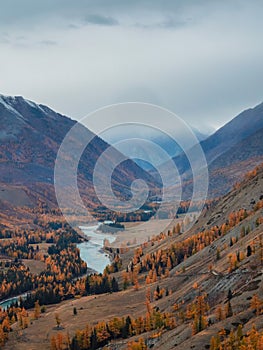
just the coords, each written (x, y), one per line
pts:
(229, 167)
(230, 152)
(30, 137)
(245, 124)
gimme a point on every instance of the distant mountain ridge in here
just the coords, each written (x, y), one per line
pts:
(166, 142)
(242, 126)
(230, 152)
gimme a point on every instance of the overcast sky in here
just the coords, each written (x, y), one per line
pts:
(200, 59)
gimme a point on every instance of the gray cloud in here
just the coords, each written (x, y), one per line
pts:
(48, 42)
(102, 12)
(201, 59)
(166, 23)
(4, 38)
(72, 26)
(22, 41)
(101, 20)
(172, 23)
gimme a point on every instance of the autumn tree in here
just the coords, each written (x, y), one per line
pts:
(58, 320)
(137, 345)
(36, 310)
(220, 313)
(199, 309)
(256, 304)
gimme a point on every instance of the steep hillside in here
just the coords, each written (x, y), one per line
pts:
(187, 288)
(30, 137)
(228, 168)
(230, 152)
(245, 124)
(225, 264)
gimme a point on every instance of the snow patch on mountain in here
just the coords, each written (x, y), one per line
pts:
(8, 102)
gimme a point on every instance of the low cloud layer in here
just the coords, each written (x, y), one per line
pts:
(200, 59)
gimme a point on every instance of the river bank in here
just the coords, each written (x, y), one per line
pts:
(92, 250)
(8, 302)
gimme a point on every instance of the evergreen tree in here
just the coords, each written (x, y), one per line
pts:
(249, 250)
(229, 294)
(228, 309)
(114, 285)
